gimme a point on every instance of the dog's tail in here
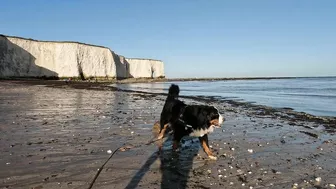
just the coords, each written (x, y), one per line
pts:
(174, 91)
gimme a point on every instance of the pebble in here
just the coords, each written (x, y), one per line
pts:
(243, 184)
(8, 163)
(231, 183)
(224, 155)
(109, 151)
(209, 171)
(132, 132)
(220, 176)
(318, 179)
(332, 185)
(250, 150)
(232, 149)
(295, 185)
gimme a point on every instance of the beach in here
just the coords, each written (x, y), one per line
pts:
(56, 135)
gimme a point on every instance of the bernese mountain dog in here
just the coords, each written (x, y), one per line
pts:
(188, 120)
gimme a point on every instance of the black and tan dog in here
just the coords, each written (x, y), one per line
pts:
(188, 120)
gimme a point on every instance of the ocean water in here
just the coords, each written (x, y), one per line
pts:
(315, 96)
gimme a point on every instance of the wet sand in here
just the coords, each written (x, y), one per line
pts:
(56, 135)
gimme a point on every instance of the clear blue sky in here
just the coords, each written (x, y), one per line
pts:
(195, 38)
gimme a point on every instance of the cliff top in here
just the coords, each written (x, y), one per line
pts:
(6, 36)
(144, 59)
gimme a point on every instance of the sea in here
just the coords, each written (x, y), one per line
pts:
(316, 96)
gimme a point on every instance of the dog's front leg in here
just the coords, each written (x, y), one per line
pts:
(175, 144)
(163, 130)
(176, 140)
(205, 144)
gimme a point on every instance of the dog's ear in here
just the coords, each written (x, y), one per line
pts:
(212, 115)
(207, 117)
(204, 119)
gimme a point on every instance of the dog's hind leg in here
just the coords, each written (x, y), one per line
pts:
(205, 144)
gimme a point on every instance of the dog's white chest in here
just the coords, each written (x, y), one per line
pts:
(202, 132)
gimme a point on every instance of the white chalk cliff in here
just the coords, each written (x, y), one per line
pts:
(20, 57)
(148, 67)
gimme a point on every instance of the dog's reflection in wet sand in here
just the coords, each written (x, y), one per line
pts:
(175, 164)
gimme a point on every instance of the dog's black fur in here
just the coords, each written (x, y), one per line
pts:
(171, 101)
(195, 117)
(184, 120)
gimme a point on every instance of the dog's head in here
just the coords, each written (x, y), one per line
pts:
(202, 116)
(214, 117)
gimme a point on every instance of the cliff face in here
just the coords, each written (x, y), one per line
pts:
(122, 67)
(21, 57)
(145, 68)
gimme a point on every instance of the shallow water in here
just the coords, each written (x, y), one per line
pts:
(316, 96)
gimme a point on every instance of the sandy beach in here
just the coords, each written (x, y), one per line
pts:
(56, 135)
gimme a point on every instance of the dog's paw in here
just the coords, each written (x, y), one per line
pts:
(212, 157)
(160, 136)
(176, 150)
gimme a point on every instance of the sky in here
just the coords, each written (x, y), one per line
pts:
(194, 38)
